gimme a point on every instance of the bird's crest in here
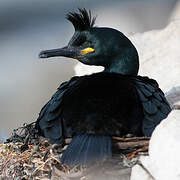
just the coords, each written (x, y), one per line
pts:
(81, 20)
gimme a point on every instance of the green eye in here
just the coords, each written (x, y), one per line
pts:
(89, 44)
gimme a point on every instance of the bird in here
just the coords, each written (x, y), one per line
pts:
(91, 109)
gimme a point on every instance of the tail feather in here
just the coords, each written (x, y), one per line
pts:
(87, 149)
(73, 150)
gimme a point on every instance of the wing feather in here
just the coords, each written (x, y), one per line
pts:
(149, 107)
(155, 106)
(50, 121)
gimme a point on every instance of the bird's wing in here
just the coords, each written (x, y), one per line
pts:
(154, 103)
(50, 122)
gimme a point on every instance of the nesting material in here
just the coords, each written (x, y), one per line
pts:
(29, 156)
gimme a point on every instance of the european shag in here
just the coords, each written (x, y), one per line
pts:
(93, 108)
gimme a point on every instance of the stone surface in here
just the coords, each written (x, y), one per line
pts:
(138, 172)
(164, 158)
(164, 148)
(159, 54)
(173, 96)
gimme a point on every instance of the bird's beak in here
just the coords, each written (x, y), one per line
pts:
(65, 51)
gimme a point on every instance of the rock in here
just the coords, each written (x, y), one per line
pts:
(164, 148)
(138, 172)
(159, 54)
(173, 97)
(164, 158)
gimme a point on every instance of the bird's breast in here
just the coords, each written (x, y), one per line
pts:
(101, 103)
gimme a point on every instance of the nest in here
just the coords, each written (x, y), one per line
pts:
(25, 155)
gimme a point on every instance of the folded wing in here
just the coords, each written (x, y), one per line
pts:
(50, 121)
(155, 106)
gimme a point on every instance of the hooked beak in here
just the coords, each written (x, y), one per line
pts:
(65, 51)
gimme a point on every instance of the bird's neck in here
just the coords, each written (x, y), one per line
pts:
(126, 64)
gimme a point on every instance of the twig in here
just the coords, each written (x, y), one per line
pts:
(134, 153)
(40, 166)
(125, 143)
(176, 106)
(130, 139)
(130, 145)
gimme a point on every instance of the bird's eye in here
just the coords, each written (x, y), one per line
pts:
(89, 44)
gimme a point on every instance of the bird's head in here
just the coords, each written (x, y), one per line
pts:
(99, 46)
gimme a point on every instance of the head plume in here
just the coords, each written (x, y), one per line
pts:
(81, 20)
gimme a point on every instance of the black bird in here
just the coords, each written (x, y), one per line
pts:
(93, 108)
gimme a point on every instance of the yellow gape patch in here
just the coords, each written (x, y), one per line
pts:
(87, 50)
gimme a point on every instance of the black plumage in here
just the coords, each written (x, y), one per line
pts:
(92, 108)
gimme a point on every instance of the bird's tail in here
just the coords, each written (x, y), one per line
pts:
(86, 149)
